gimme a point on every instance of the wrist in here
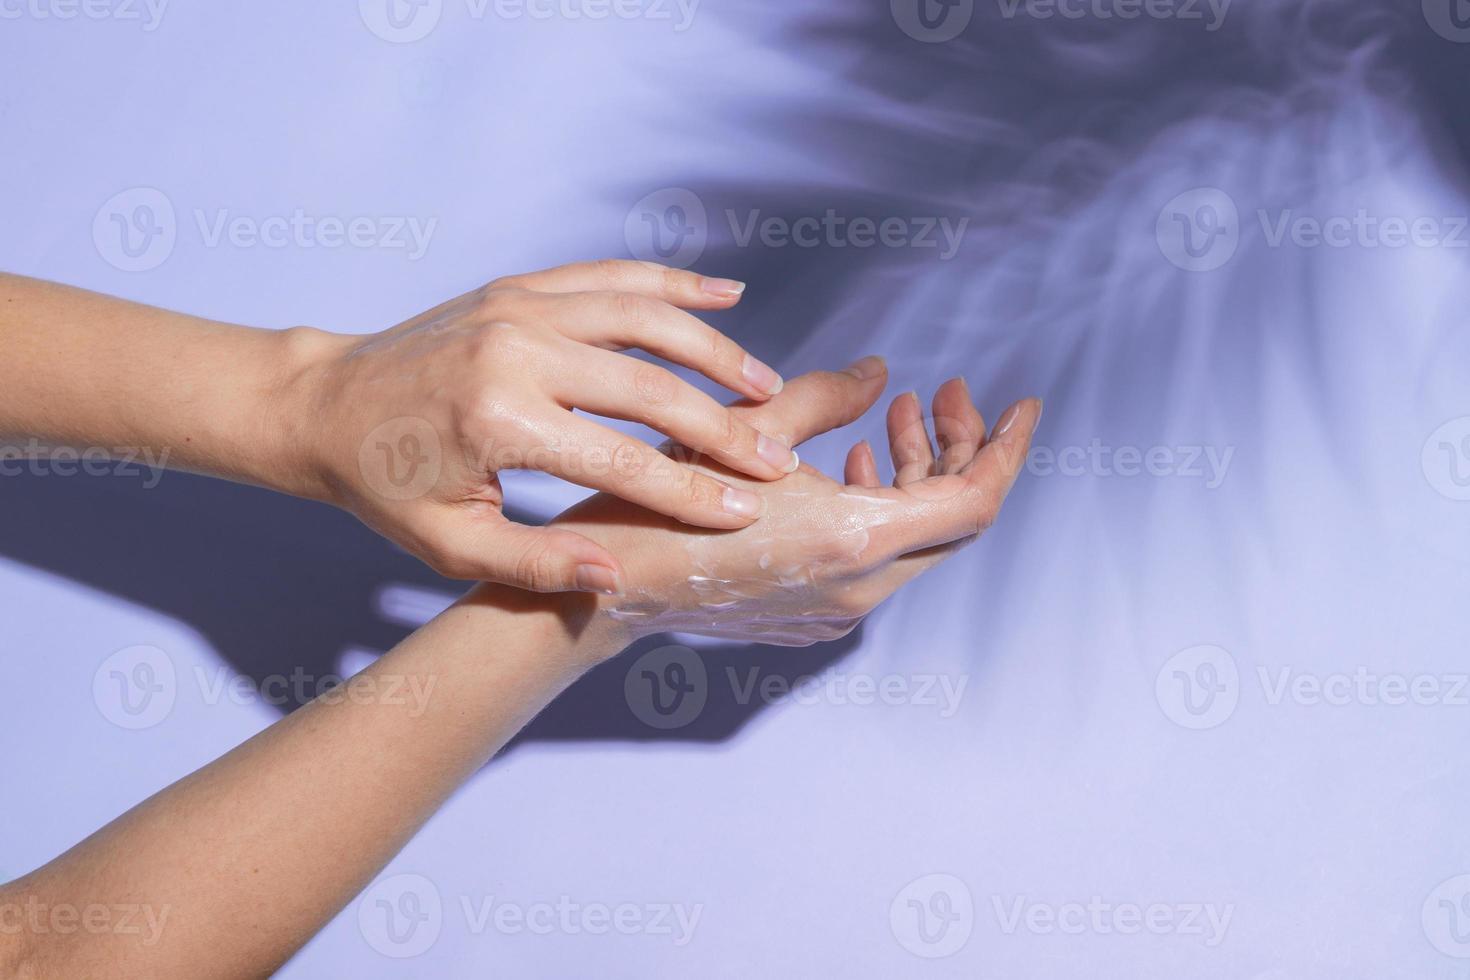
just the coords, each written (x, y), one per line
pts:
(292, 413)
(576, 630)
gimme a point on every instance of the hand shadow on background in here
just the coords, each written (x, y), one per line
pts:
(277, 585)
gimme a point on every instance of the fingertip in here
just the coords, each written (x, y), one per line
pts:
(726, 291)
(742, 504)
(763, 381)
(1020, 420)
(869, 368)
(593, 568)
(598, 579)
(778, 457)
(897, 402)
(861, 468)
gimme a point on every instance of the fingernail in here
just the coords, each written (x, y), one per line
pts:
(776, 454)
(723, 288)
(868, 368)
(761, 377)
(597, 578)
(1007, 420)
(742, 503)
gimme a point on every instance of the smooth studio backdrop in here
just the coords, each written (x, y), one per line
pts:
(1195, 707)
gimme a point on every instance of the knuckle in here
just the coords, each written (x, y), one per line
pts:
(699, 492)
(985, 516)
(491, 415)
(852, 606)
(630, 462)
(730, 432)
(633, 310)
(613, 272)
(672, 282)
(536, 568)
(1009, 458)
(493, 342)
(723, 352)
(834, 549)
(654, 386)
(494, 300)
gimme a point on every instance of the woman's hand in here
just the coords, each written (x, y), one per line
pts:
(253, 854)
(411, 426)
(824, 555)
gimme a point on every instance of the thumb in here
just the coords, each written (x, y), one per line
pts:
(540, 559)
(819, 402)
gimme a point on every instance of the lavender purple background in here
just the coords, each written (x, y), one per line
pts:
(1130, 660)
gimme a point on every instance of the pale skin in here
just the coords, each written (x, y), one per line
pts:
(487, 381)
(254, 853)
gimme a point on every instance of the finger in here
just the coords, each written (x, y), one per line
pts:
(623, 388)
(908, 441)
(678, 286)
(602, 459)
(996, 466)
(618, 321)
(488, 547)
(951, 507)
(861, 469)
(819, 402)
(958, 426)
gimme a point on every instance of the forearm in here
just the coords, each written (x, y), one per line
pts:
(246, 859)
(87, 370)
